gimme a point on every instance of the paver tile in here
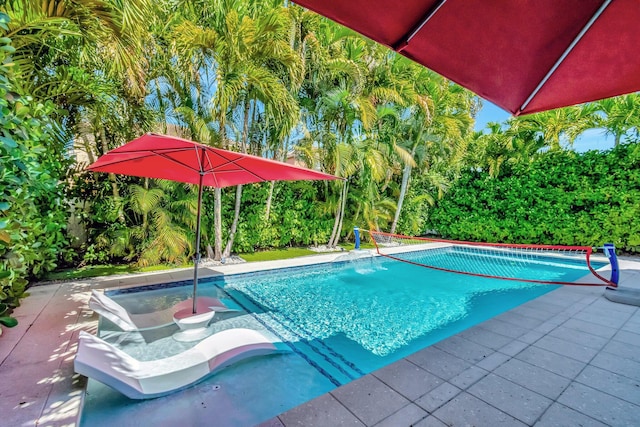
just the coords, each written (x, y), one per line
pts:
(430, 421)
(408, 379)
(519, 320)
(599, 405)
(534, 378)
(320, 412)
(485, 337)
(578, 337)
(551, 361)
(464, 349)
(510, 398)
(601, 330)
(550, 305)
(631, 327)
(616, 385)
(561, 297)
(407, 416)
(467, 410)
(438, 362)
(514, 347)
(531, 337)
(559, 415)
(438, 397)
(618, 365)
(569, 349)
(503, 328)
(547, 327)
(493, 360)
(369, 399)
(624, 350)
(628, 337)
(602, 317)
(468, 377)
(606, 305)
(531, 312)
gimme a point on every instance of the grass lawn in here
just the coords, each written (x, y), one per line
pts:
(276, 254)
(107, 270)
(103, 270)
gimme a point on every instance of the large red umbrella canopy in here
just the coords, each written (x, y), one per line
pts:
(177, 159)
(523, 55)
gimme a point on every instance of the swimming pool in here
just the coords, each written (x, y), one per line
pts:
(342, 320)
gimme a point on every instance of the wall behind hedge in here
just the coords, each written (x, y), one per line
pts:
(563, 198)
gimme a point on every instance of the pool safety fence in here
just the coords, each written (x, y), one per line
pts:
(504, 261)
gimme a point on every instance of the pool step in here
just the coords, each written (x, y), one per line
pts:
(315, 352)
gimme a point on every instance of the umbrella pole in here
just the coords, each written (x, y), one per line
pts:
(196, 260)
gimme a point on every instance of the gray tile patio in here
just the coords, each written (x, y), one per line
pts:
(568, 358)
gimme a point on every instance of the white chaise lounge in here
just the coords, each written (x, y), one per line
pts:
(108, 308)
(137, 379)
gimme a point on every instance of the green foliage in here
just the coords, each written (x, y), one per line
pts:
(7, 321)
(32, 212)
(562, 197)
(294, 219)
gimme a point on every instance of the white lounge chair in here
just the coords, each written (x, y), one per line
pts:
(137, 379)
(108, 308)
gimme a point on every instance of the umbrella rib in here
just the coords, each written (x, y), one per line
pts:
(123, 160)
(230, 161)
(404, 41)
(215, 178)
(564, 55)
(151, 154)
(171, 159)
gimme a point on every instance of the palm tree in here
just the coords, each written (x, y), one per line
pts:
(246, 44)
(554, 126)
(435, 127)
(57, 41)
(159, 237)
(618, 116)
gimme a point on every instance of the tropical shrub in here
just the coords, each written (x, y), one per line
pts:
(562, 197)
(32, 212)
(294, 220)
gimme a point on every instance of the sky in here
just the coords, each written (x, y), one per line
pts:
(594, 139)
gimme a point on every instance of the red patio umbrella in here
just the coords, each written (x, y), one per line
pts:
(525, 56)
(177, 159)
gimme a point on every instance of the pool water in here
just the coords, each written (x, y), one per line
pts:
(341, 320)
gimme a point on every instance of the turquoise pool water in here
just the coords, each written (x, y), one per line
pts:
(341, 320)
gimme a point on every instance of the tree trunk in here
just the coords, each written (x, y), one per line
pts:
(337, 225)
(267, 213)
(87, 148)
(217, 220)
(234, 224)
(406, 173)
(145, 214)
(342, 209)
(272, 184)
(236, 214)
(112, 177)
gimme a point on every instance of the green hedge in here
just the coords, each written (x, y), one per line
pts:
(563, 198)
(33, 215)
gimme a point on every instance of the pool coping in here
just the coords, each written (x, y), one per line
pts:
(39, 386)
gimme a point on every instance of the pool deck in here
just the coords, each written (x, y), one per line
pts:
(570, 357)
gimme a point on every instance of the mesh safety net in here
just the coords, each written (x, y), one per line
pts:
(528, 263)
